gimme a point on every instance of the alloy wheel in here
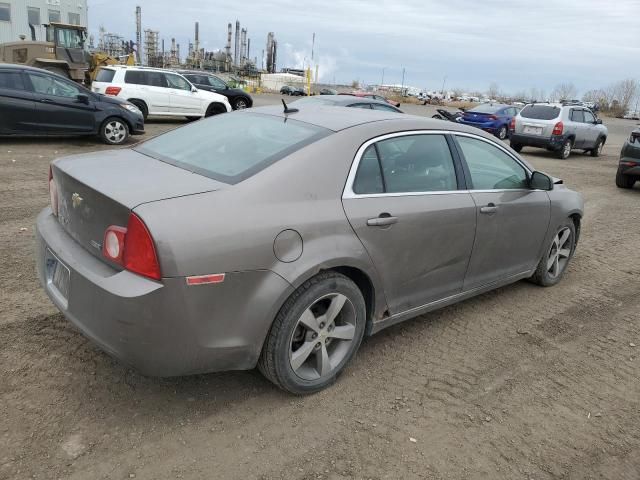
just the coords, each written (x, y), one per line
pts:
(566, 149)
(502, 133)
(322, 337)
(241, 104)
(559, 253)
(115, 131)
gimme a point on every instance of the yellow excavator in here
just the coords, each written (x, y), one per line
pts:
(63, 52)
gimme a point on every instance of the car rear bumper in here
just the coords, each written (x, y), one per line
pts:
(161, 328)
(629, 166)
(554, 142)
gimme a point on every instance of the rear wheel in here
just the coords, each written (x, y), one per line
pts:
(554, 263)
(565, 150)
(114, 131)
(315, 334)
(516, 146)
(141, 106)
(625, 181)
(597, 150)
(502, 133)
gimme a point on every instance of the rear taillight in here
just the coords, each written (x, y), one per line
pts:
(132, 247)
(492, 117)
(512, 124)
(558, 129)
(53, 193)
(112, 91)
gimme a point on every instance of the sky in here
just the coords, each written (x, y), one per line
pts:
(465, 44)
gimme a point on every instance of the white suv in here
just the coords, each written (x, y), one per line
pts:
(159, 92)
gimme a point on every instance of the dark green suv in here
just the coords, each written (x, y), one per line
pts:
(629, 167)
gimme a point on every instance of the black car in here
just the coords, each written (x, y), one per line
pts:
(328, 91)
(347, 101)
(35, 102)
(298, 92)
(286, 90)
(629, 167)
(238, 98)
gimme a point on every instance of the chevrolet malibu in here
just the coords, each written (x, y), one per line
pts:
(280, 239)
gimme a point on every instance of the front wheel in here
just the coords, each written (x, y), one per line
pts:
(554, 262)
(314, 336)
(597, 150)
(240, 103)
(624, 181)
(114, 131)
(516, 146)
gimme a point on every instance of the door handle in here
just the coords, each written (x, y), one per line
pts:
(45, 100)
(382, 220)
(489, 209)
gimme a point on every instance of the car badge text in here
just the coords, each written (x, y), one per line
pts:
(76, 200)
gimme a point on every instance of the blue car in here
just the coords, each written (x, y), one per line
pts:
(491, 117)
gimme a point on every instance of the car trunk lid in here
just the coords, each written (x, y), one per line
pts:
(100, 189)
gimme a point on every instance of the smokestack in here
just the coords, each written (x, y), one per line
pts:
(228, 47)
(236, 50)
(139, 35)
(248, 48)
(243, 45)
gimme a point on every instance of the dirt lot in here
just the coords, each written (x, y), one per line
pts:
(520, 383)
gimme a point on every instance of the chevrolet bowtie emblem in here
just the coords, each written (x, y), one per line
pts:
(76, 200)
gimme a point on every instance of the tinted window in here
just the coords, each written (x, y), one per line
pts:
(540, 112)
(5, 12)
(49, 85)
(33, 15)
(216, 82)
(369, 177)
(177, 82)
(386, 108)
(577, 116)
(232, 147)
(490, 167)
(54, 16)
(106, 75)
(155, 79)
(417, 163)
(361, 105)
(11, 80)
(588, 117)
(135, 77)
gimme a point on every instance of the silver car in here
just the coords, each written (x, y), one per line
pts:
(282, 239)
(559, 128)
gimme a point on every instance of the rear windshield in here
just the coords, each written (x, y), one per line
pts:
(233, 146)
(486, 108)
(105, 75)
(540, 112)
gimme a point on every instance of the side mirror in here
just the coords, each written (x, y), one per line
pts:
(194, 89)
(598, 121)
(540, 181)
(82, 98)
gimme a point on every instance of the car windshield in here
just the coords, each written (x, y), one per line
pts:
(486, 109)
(540, 112)
(234, 146)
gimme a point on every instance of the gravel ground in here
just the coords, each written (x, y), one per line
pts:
(520, 383)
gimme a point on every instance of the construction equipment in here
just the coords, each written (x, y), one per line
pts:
(61, 52)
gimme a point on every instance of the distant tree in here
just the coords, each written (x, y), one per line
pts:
(564, 91)
(625, 91)
(494, 90)
(520, 96)
(355, 84)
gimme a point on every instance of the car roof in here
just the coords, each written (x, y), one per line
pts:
(13, 66)
(343, 100)
(338, 118)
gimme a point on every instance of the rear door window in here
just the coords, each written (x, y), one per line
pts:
(11, 80)
(156, 79)
(135, 77)
(540, 112)
(577, 116)
(106, 75)
(230, 148)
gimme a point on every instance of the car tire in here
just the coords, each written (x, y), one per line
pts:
(565, 149)
(516, 146)
(114, 131)
(300, 355)
(557, 256)
(215, 109)
(141, 106)
(502, 133)
(597, 150)
(625, 181)
(240, 103)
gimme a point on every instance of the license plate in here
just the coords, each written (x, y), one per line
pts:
(533, 130)
(58, 277)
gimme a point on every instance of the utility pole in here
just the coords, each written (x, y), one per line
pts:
(382, 82)
(443, 82)
(402, 90)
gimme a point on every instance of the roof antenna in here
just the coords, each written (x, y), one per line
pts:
(287, 109)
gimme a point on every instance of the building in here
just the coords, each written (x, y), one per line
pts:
(16, 15)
